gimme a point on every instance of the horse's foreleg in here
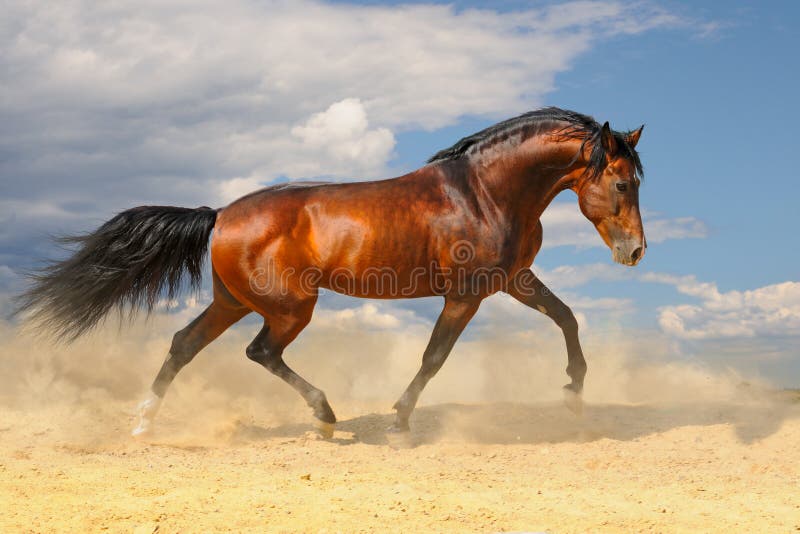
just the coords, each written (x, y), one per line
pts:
(185, 345)
(451, 322)
(529, 290)
(267, 350)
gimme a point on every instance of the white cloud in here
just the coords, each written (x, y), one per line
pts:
(342, 133)
(772, 310)
(336, 141)
(755, 331)
(565, 225)
(659, 229)
(371, 316)
(567, 276)
(147, 101)
(231, 189)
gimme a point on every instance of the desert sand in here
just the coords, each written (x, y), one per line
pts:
(665, 445)
(467, 468)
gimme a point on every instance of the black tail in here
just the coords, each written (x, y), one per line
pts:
(126, 264)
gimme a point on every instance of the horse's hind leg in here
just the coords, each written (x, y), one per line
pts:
(267, 350)
(452, 321)
(186, 343)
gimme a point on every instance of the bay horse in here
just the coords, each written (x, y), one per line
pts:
(463, 227)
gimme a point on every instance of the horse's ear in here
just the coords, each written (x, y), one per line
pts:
(608, 141)
(633, 137)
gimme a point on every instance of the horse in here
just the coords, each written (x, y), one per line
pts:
(462, 227)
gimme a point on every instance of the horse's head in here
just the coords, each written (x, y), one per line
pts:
(610, 198)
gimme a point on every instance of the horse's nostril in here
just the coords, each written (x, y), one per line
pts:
(636, 254)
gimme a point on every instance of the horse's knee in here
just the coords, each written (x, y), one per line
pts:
(565, 319)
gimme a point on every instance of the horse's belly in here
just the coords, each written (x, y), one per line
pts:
(415, 282)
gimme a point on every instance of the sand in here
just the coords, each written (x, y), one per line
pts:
(666, 444)
(491, 467)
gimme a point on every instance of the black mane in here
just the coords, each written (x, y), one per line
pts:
(579, 126)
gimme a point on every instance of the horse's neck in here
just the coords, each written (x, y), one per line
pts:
(524, 182)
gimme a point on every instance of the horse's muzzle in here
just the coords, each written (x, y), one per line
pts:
(629, 252)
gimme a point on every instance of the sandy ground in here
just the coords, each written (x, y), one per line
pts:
(491, 467)
(665, 445)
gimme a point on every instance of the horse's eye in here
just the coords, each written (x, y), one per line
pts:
(622, 186)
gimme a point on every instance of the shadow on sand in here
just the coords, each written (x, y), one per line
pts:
(508, 423)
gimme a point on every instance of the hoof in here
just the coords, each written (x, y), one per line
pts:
(142, 429)
(573, 401)
(399, 439)
(147, 411)
(325, 430)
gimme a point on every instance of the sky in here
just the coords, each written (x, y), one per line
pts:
(109, 106)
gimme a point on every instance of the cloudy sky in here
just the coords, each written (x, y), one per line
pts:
(104, 106)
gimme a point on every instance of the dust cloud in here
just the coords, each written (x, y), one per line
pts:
(362, 360)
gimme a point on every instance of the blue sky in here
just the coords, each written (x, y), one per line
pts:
(109, 108)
